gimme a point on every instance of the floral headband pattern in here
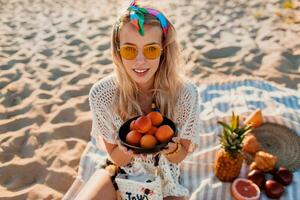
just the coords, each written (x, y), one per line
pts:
(137, 17)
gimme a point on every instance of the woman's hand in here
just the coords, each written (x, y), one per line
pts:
(125, 150)
(120, 155)
(171, 146)
(176, 152)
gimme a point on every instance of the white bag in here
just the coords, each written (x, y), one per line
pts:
(140, 188)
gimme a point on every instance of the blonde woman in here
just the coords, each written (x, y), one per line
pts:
(146, 58)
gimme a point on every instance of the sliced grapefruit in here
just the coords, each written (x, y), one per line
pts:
(255, 118)
(244, 189)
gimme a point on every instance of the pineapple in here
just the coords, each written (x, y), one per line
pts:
(229, 158)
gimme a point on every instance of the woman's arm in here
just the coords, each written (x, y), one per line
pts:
(179, 153)
(119, 155)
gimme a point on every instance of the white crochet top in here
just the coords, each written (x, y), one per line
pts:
(106, 124)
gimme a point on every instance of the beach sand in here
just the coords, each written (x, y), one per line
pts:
(52, 52)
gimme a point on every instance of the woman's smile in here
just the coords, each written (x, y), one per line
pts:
(141, 72)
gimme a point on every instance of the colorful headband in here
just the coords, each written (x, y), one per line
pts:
(137, 17)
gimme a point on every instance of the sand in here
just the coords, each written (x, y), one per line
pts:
(51, 53)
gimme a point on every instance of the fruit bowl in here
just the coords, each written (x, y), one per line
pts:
(125, 129)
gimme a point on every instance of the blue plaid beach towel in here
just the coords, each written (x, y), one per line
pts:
(278, 104)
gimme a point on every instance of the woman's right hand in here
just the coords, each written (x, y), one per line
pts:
(126, 151)
(121, 155)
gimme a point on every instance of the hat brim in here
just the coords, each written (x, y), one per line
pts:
(280, 141)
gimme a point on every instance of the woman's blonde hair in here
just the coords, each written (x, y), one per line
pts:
(167, 81)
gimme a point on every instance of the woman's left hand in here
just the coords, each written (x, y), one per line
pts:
(171, 146)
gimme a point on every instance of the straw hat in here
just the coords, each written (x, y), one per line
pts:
(281, 142)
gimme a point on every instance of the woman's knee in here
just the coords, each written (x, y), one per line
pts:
(73, 190)
(99, 185)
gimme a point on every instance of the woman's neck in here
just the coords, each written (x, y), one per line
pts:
(145, 103)
(145, 96)
(146, 89)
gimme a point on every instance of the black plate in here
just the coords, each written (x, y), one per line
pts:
(124, 130)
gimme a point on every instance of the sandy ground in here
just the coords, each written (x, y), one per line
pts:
(51, 53)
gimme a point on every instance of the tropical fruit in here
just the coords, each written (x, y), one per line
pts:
(164, 133)
(132, 125)
(255, 118)
(273, 189)
(152, 131)
(251, 144)
(264, 161)
(151, 126)
(244, 189)
(229, 159)
(148, 141)
(155, 117)
(143, 124)
(283, 176)
(133, 137)
(257, 177)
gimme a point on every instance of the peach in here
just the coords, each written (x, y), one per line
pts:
(132, 125)
(148, 141)
(251, 144)
(143, 124)
(133, 138)
(155, 117)
(152, 130)
(255, 118)
(164, 133)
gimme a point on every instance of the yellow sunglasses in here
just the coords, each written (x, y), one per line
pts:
(130, 52)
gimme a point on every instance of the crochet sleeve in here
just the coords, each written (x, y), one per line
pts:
(187, 115)
(100, 99)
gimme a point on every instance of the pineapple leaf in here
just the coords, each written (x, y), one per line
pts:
(244, 130)
(229, 138)
(233, 121)
(237, 122)
(232, 136)
(243, 136)
(224, 138)
(225, 126)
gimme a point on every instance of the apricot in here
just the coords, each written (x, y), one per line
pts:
(155, 117)
(251, 144)
(132, 125)
(164, 133)
(152, 130)
(133, 138)
(143, 124)
(255, 118)
(148, 141)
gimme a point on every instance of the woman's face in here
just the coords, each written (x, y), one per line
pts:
(141, 69)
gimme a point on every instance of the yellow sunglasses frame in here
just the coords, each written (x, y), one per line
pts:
(137, 50)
